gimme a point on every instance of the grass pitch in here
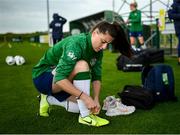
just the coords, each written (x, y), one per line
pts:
(19, 106)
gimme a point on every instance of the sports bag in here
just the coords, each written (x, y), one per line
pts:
(159, 80)
(152, 55)
(126, 64)
(136, 96)
(140, 59)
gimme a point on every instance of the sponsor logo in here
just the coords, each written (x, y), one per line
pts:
(57, 24)
(71, 55)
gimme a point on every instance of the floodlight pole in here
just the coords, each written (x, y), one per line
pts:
(48, 20)
(150, 12)
(113, 6)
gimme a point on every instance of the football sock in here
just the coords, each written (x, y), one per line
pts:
(82, 82)
(53, 101)
(143, 46)
(72, 107)
(68, 105)
(133, 47)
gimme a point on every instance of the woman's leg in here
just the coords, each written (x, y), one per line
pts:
(132, 41)
(80, 77)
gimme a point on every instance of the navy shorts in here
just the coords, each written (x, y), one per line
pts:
(136, 34)
(43, 84)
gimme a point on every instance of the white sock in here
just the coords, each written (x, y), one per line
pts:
(72, 107)
(53, 101)
(133, 47)
(143, 46)
(84, 111)
(68, 105)
(83, 85)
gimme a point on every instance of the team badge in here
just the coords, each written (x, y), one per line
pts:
(93, 61)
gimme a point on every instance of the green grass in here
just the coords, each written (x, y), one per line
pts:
(19, 106)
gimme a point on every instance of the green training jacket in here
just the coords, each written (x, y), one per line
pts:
(135, 21)
(66, 53)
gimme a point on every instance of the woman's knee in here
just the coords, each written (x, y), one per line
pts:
(81, 66)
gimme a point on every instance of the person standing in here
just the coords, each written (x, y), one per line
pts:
(174, 14)
(135, 27)
(57, 27)
(78, 62)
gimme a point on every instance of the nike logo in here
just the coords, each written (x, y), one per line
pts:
(89, 122)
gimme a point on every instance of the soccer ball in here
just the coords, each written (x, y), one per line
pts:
(10, 60)
(19, 60)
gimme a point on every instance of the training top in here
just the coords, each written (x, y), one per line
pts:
(135, 21)
(66, 53)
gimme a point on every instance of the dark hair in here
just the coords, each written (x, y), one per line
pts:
(120, 41)
(104, 27)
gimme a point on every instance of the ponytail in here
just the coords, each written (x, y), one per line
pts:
(121, 42)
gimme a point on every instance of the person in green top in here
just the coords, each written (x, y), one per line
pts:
(135, 27)
(63, 74)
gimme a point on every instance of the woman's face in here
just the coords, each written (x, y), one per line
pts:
(100, 41)
(132, 7)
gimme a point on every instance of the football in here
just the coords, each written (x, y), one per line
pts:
(10, 60)
(19, 60)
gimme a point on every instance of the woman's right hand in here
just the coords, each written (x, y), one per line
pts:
(89, 102)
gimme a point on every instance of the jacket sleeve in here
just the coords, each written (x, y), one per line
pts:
(63, 19)
(51, 25)
(96, 69)
(66, 64)
(173, 15)
(137, 19)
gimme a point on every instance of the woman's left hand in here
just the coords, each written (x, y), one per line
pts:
(98, 107)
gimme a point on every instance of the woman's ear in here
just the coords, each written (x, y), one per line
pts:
(94, 32)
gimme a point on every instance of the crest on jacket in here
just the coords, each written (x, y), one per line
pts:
(93, 61)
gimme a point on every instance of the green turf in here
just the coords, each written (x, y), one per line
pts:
(19, 107)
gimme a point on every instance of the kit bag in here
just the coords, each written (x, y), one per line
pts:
(159, 80)
(126, 64)
(133, 95)
(140, 59)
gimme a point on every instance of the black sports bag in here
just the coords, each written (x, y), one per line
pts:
(137, 96)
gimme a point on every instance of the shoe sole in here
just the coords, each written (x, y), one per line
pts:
(120, 113)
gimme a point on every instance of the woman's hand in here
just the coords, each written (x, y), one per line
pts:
(89, 102)
(97, 109)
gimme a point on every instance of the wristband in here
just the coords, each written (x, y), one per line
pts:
(80, 95)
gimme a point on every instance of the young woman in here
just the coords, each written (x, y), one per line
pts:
(77, 60)
(136, 27)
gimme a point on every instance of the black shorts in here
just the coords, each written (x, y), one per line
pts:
(43, 84)
(136, 34)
